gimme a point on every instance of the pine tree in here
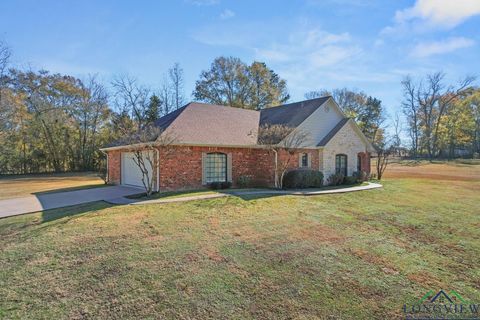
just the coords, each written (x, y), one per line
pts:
(153, 110)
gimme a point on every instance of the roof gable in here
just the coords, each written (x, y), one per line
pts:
(292, 114)
(342, 124)
(332, 132)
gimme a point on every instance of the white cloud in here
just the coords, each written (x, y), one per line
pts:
(314, 47)
(307, 56)
(227, 14)
(445, 13)
(427, 49)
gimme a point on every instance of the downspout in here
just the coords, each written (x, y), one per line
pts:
(276, 168)
(158, 169)
(107, 178)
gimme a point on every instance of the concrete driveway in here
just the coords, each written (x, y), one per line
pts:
(40, 202)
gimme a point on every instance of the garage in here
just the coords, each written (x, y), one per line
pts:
(131, 173)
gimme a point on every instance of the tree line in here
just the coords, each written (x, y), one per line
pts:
(56, 123)
(443, 120)
(53, 122)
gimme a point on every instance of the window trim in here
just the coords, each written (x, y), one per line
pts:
(338, 168)
(225, 156)
(307, 159)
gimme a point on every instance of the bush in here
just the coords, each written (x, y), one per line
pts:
(219, 185)
(335, 179)
(303, 178)
(361, 176)
(350, 180)
(244, 181)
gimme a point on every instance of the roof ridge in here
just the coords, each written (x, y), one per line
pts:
(221, 105)
(302, 101)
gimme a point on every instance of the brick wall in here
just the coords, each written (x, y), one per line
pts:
(181, 166)
(114, 158)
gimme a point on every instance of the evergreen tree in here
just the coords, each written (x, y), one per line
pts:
(153, 110)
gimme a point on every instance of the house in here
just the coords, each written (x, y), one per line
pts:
(219, 143)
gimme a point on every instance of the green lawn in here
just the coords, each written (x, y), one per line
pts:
(345, 256)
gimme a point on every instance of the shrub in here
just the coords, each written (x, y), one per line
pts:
(244, 181)
(335, 179)
(303, 178)
(350, 180)
(219, 185)
(361, 176)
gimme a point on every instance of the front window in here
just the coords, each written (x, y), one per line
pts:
(359, 163)
(341, 164)
(215, 167)
(304, 160)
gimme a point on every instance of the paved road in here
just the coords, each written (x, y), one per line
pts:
(40, 202)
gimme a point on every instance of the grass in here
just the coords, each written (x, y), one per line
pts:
(25, 185)
(345, 256)
(201, 192)
(174, 194)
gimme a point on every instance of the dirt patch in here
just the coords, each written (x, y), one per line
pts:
(425, 279)
(318, 233)
(386, 266)
(433, 171)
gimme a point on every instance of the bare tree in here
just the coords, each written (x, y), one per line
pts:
(4, 59)
(145, 145)
(5, 54)
(411, 110)
(425, 105)
(383, 157)
(397, 127)
(91, 114)
(131, 97)
(167, 96)
(177, 83)
(281, 139)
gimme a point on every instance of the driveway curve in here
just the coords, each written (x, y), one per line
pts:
(41, 202)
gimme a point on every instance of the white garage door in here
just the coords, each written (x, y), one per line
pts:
(131, 173)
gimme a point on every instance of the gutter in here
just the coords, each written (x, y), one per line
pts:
(253, 146)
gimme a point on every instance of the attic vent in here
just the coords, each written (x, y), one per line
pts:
(327, 108)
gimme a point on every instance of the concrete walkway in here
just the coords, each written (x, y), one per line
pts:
(308, 192)
(46, 201)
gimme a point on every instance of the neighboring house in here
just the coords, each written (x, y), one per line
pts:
(219, 143)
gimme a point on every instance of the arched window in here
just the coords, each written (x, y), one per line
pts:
(341, 164)
(215, 167)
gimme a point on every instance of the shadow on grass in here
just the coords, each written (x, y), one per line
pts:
(168, 194)
(73, 211)
(244, 194)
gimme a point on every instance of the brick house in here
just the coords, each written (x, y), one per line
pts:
(219, 143)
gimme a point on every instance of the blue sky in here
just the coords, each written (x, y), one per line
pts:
(313, 44)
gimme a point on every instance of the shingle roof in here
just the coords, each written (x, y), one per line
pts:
(165, 121)
(208, 124)
(291, 114)
(332, 132)
(200, 123)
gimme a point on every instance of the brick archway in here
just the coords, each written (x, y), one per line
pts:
(364, 158)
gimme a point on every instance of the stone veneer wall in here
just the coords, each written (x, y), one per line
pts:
(346, 141)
